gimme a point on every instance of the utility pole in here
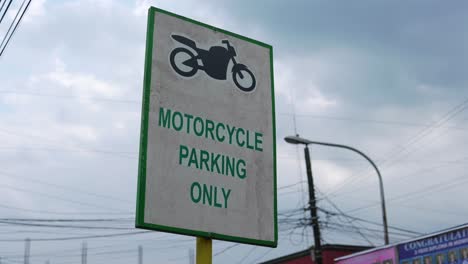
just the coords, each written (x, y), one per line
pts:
(27, 249)
(140, 255)
(84, 253)
(313, 210)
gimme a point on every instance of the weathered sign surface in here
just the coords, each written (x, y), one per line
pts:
(207, 152)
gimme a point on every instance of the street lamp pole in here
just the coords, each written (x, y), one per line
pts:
(306, 142)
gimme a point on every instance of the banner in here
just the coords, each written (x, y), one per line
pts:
(383, 256)
(446, 248)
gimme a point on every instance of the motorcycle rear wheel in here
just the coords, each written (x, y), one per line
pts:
(243, 87)
(178, 66)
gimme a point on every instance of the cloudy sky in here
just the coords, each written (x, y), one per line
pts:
(386, 77)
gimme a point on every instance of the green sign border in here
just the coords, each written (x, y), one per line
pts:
(140, 206)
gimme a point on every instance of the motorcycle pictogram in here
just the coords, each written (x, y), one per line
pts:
(214, 62)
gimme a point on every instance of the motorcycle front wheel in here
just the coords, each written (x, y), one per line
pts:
(247, 82)
(178, 57)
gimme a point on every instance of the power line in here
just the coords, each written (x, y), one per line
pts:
(67, 219)
(363, 231)
(3, 4)
(400, 177)
(226, 249)
(131, 251)
(127, 101)
(15, 176)
(120, 154)
(12, 23)
(420, 193)
(290, 185)
(64, 226)
(432, 210)
(6, 10)
(370, 222)
(339, 210)
(64, 96)
(53, 197)
(57, 253)
(14, 29)
(426, 131)
(247, 255)
(79, 237)
(412, 141)
(354, 160)
(368, 231)
(376, 121)
(78, 148)
(61, 213)
(326, 117)
(263, 255)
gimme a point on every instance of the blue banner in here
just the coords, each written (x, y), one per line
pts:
(446, 248)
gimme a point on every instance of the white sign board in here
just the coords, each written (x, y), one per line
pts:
(207, 152)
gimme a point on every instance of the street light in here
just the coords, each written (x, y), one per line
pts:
(306, 142)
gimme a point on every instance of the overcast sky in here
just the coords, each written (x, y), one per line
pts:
(389, 78)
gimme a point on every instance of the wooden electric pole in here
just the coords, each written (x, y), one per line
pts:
(27, 249)
(313, 210)
(84, 253)
(140, 255)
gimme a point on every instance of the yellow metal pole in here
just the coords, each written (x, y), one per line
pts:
(204, 250)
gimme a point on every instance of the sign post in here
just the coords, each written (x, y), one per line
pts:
(207, 165)
(204, 250)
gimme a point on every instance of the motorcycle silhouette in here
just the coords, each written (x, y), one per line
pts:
(214, 62)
